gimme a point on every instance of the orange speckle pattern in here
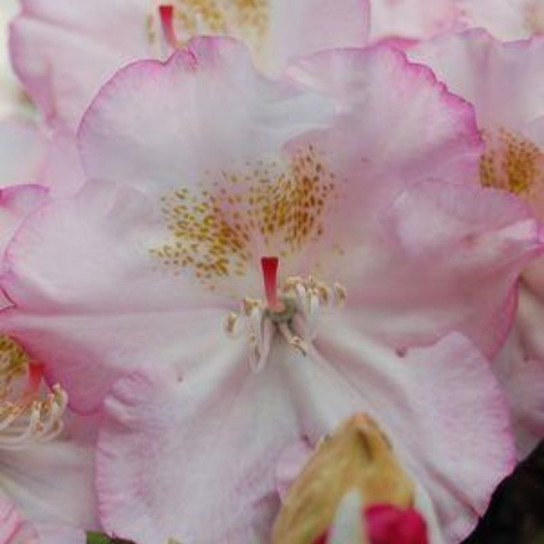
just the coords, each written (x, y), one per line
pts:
(13, 360)
(510, 162)
(268, 206)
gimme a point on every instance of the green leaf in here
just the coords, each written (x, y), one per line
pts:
(101, 538)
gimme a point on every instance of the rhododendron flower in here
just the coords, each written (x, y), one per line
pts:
(265, 267)
(505, 82)
(64, 52)
(48, 477)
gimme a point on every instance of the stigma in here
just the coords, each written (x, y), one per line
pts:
(289, 312)
(30, 412)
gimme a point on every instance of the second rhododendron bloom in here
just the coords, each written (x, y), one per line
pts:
(250, 263)
(64, 53)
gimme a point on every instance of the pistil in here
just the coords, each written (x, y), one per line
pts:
(166, 14)
(269, 266)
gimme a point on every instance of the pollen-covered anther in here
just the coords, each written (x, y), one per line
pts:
(29, 412)
(290, 312)
(33, 418)
(230, 324)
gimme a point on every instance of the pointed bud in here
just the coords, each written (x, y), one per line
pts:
(356, 456)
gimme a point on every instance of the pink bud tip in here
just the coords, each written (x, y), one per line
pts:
(388, 524)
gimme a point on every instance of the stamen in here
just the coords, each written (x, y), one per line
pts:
(166, 14)
(340, 294)
(269, 266)
(293, 313)
(293, 340)
(28, 414)
(230, 325)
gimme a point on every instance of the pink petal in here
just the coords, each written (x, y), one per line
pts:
(412, 19)
(15, 530)
(205, 109)
(424, 405)
(501, 80)
(411, 284)
(398, 125)
(63, 55)
(62, 169)
(519, 367)
(11, 522)
(196, 428)
(64, 52)
(55, 534)
(16, 203)
(308, 26)
(22, 151)
(89, 298)
(51, 483)
(222, 412)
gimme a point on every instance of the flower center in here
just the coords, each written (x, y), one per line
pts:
(177, 21)
(219, 232)
(292, 313)
(510, 162)
(28, 413)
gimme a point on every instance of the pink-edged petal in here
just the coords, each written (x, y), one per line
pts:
(157, 125)
(22, 151)
(431, 402)
(412, 19)
(58, 534)
(192, 431)
(290, 464)
(519, 367)
(503, 81)
(62, 170)
(411, 284)
(505, 19)
(64, 52)
(15, 529)
(221, 412)
(63, 55)
(52, 483)
(90, 300)
(309, 26)
(11, 521)
(397, 125)
(16, 203)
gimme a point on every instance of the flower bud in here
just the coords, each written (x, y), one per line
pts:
(357, 456)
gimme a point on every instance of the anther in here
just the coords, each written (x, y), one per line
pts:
(230, 324)
(292, 339)
(340, 294)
